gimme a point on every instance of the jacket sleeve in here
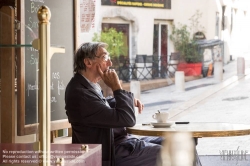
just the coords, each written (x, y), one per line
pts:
(112, 102)
(89, 110)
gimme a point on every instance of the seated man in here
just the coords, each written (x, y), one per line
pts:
(97, 120)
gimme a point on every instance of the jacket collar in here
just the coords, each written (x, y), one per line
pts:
(83, 81)
(86, 84)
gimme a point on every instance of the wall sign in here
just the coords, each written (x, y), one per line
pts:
(161, 4)
(87, 15)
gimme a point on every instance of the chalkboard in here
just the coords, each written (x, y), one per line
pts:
(62, 34)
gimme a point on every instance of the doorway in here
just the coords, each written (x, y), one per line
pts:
(124, 28)
(160, 49)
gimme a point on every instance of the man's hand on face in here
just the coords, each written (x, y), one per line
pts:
(110, 78)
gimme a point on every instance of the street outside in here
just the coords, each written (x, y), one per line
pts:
(206, 100)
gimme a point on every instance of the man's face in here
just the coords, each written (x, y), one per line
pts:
(102, 58)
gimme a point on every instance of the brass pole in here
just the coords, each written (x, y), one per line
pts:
(44, 111)
(44, 84)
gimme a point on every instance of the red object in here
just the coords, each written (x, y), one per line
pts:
(190, 69)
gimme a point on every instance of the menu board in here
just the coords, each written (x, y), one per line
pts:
(61, 34)
(87, 15)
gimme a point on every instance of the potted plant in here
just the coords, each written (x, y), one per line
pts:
(114, 39)
(116, 48)
(185, 44)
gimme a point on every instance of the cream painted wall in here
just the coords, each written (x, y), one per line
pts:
(181, 11)
(145, 21)
(146, 18)
(208, 9)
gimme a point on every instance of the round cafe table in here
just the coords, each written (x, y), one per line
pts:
(198, 129)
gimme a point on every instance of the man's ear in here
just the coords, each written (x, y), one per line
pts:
(87, 62)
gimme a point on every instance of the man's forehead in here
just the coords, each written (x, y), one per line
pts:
(102, 50)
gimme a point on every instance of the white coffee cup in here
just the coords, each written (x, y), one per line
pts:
(161, 117)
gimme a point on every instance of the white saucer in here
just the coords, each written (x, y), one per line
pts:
(158, 125)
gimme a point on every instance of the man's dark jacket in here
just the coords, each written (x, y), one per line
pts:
(92, 120)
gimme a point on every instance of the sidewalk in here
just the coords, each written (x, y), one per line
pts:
(206, 100)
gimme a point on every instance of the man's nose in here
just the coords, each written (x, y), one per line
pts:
(109, 62)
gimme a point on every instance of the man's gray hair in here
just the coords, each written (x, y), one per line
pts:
(86, 50)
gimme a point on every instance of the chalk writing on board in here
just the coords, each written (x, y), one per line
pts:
(34, 8)
(55, 75)
(61, 87)
(32, 87)
(53, 100)
(59, 74)
(33, 60)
